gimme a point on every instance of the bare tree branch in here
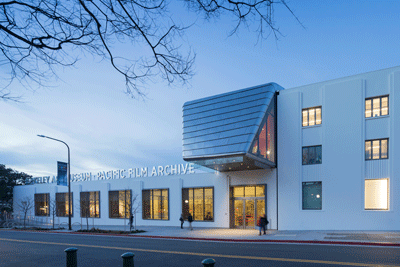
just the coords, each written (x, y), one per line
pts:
(38, 36)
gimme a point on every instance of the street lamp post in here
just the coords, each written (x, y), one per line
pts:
(69, 180)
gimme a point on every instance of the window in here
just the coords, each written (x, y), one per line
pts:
(119, 204)
(312, 155)
(377, 106)
(199, 202)
(155, 204)
(62, 204)
(90, 204)
(376, 194)
(312, 195)
(264, 142)
(376, 149)
(248, 191)
(312, 116)
(42, 204)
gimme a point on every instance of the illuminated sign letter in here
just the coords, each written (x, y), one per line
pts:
(121, 174)
(153, 171)
(144, 172)
(184, 168)
(100, 176)
(165, 170)
(131, 173)
(174, 169)
(160, 170)
(191, 168)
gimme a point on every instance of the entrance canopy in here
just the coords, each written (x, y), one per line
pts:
(232, 131)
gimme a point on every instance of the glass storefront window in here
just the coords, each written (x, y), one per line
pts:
(250, 191)
(199, 202)
(238, 191)
(155, 204)
(62, 204)
(260, 191)
(42, 202)
(90, 204)
(119, 204)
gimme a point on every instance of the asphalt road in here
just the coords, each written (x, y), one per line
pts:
(19, 248)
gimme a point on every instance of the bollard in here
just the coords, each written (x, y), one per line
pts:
(208, 262)
(127, 259)
(71, 257)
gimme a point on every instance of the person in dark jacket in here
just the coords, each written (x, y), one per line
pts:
(130, 223)
(263, 223)
(182, 220)
(190, 220)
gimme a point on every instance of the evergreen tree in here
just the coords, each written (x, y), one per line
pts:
(8, 179)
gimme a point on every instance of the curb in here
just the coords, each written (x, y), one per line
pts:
(318, 242)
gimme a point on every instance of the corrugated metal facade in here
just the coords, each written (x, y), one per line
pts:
(225, 124)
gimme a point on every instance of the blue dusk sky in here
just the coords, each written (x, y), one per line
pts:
(106, 130)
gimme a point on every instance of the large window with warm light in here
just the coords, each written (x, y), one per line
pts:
(264, 142)
(90, 204)
(377, 149)
(312, 155)
(312, 116)
(377, 194)
(312, 195)
(62, 204)
(119, 204)
(155, 204)
(377, 106)
(42, 202)
(199, 202)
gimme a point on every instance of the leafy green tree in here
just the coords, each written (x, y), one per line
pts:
(8, 179)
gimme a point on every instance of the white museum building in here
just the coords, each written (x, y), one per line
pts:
(315, 157)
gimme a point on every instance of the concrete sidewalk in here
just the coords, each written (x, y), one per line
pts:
(381, 238)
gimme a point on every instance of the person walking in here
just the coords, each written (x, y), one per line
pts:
(130, 223)
(182, 220)
(190, 220)
(263, 223)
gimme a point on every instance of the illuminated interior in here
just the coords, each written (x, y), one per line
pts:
(377, 194)
(312, 116)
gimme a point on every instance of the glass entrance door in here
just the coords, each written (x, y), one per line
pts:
(239, 213)
(249, 214)
(245, 213)
(247, 206)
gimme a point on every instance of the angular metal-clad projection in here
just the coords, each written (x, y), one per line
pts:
(232, 131)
